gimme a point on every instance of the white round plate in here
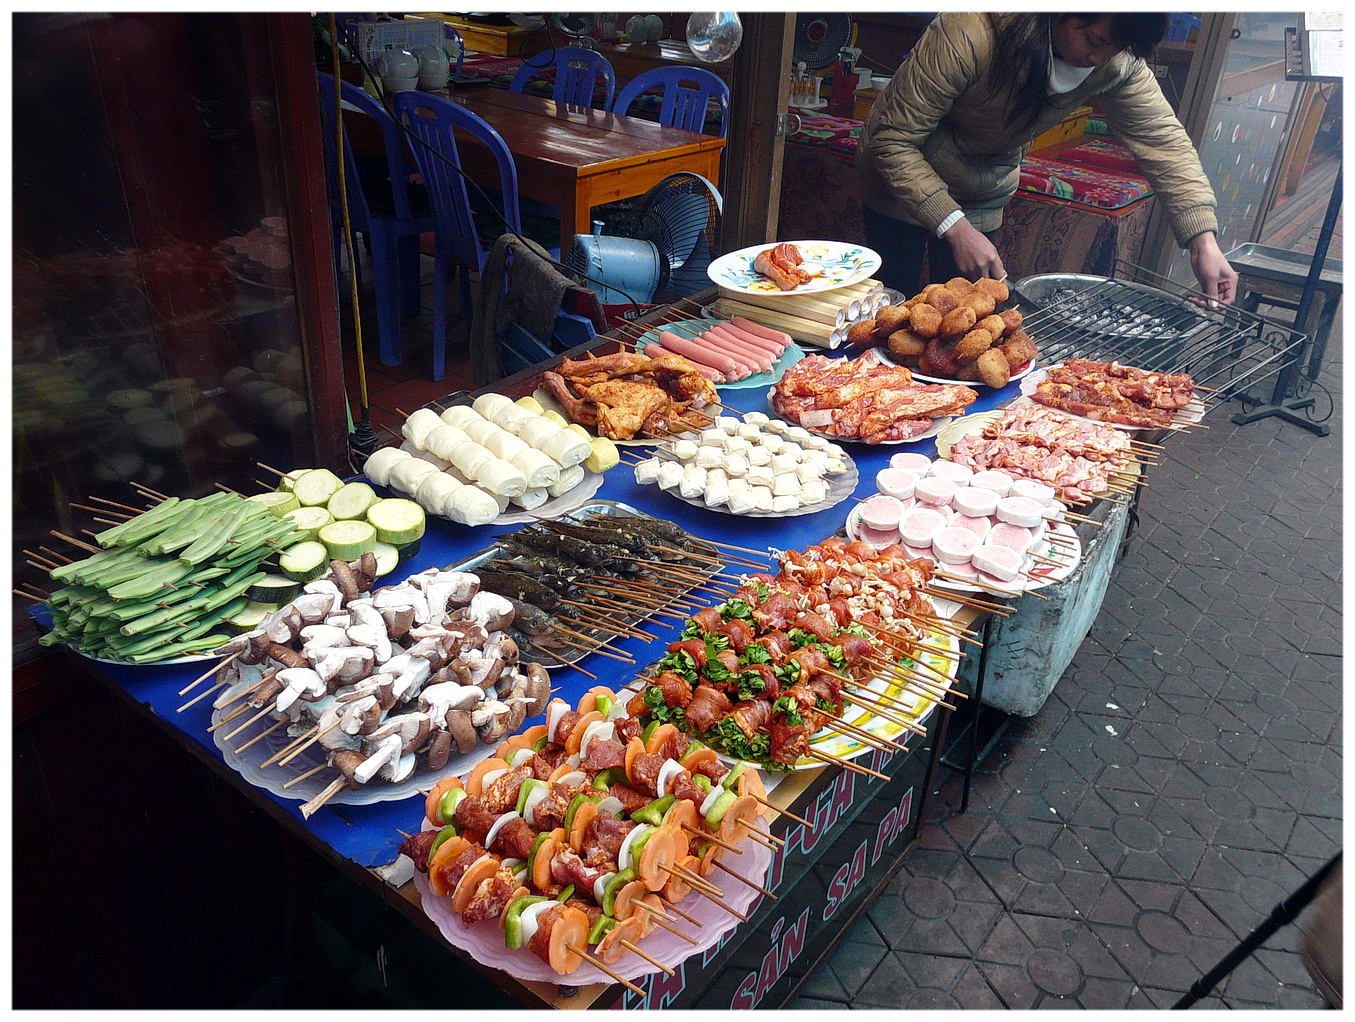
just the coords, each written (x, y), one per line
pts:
(834, 264)
(840, 487)
(484, 941)
(1070, 554)
(965, 425)
(1186, 417)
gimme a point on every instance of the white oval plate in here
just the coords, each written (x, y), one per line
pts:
(834, 264)
(840, 487)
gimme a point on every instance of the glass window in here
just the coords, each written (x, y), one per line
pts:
(156, 338)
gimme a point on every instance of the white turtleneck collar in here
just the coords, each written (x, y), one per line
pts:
(1063, 77)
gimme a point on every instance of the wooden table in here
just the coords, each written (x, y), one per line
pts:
(577, 158)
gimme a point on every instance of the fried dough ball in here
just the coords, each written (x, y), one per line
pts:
(926, 320)
(993, 368)
(931, 291)
(945, 300)
(1019, 349)
(906, 344)
(1011, 320)
(890, 318)
(996, 288)
(995, 325)
(968, 373)
(958, 321)
(960, 285)
(862, 334)
(939, 360)
(972, 345)
(981, 303)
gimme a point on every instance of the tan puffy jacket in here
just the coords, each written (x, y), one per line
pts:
(939, 138)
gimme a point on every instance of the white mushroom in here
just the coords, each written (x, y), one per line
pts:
(387, 750)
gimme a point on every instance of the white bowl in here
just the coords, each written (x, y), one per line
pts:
(879, 84)
(399, 84)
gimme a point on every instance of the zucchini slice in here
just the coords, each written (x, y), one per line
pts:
(316, 487)
(348, 541)
(309, 520)
(305, 562)
(276, 589)
(351, 501)
(398, 522)
(277, 502)
(387, 557)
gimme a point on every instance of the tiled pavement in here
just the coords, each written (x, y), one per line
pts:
(1182, 779)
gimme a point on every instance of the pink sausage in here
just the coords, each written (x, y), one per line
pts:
(760, 357)
(756, 361)
(762, 331)
(714, 375)
(772, 348)
(698, 353)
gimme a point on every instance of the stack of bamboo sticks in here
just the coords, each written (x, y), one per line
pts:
(821, 318)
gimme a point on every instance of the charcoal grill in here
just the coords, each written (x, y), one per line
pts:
(1142, 319)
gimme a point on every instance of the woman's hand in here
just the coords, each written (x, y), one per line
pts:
(975, 255)
(1216, 275)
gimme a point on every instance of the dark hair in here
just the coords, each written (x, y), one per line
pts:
(1021, 52)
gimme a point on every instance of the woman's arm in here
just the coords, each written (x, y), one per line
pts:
(1141, 117)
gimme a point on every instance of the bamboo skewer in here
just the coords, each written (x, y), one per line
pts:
(215, 667)
(293, 744)
(201, 696)
(713, 839)
(744, 880)
(231, 734)
(597, 963)
(652, 961)
(659, 921)
(29, 596)
(783, 812)
(845, 764)
(79, 544)
(262, 735)
(691, 919)
(689, 877)
(309, 773)
(315, 804)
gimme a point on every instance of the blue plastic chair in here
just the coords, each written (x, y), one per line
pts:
(1180, 25)
(687, 92)
(433, 120)
(382, 210)
(576, 73)
(451, 35)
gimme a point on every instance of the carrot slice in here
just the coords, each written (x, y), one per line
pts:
(475, 782)
(633, 748)
(434, 800)
(576, 734)
(563, 770)
(649, 920)
(709, 857)
(582, 817)
(541, 864)
(598, 691)
(610, 949)
(699, 757)
(681, 841)
(750, 783)
(480, 870)
(569, 931)
(446, 853)
(677, 888)
(683, 813)
(739, 819)
(657, 737)
(588, 703)
(659, 852)
(525, 740)
(626, 898)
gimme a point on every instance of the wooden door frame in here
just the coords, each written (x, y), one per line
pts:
(759, 91)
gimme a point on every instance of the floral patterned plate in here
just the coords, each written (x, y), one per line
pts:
(834, 264)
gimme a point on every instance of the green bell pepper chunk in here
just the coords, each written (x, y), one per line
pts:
(526, 789)
(574, 804)
(531, 856)
(512, 923)
(612, 775)
(735, 772)
(448, 831)
(600, 929)
(613, 888)
(718, 810)
(653, 813)
(565, 895)
(702, 782)
(540, 743)
(447, 807)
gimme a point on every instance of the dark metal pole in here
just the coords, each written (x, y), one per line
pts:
(1282, 914)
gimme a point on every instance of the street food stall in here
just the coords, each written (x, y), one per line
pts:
(507, 676)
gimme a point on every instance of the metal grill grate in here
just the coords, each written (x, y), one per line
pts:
(1142, 319)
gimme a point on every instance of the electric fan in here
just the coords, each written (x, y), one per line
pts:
(576, 26)
(819, 37)
(660, 252)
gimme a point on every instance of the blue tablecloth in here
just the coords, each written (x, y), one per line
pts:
(368, 834)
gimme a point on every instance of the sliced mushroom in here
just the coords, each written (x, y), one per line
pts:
(491, 611)
(399, 620)
(345, 578)
(484, 670)
(313, 607)
(462, 730)
(439, 750)
(408, 674)
(538, 688)
(361, 716)
(401, 769)
(347, 762)
(495, 725)
(518, 707)
(286, 657)
(413, 729)
(331, 737)
(365, 570)
(372, 636)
